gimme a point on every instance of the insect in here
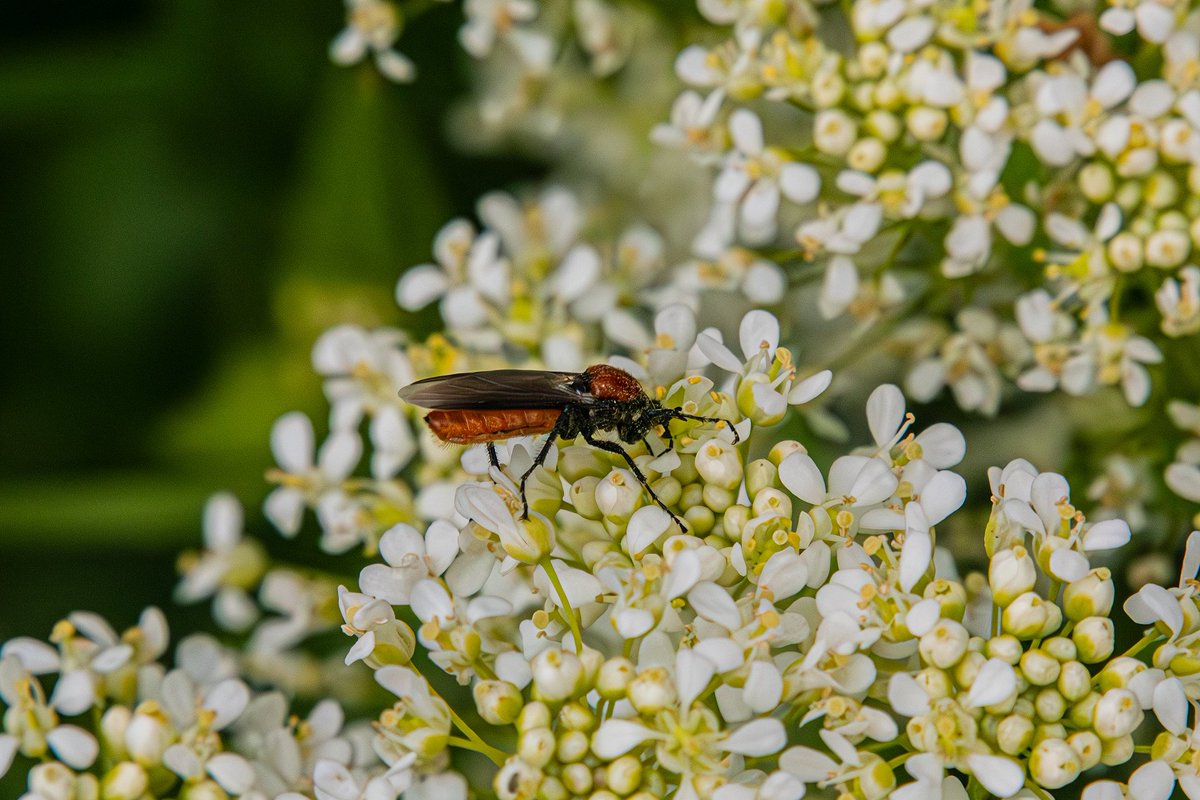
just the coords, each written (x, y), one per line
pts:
(490, 406)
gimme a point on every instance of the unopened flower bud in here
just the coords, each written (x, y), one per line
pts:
(536, 746)
(52, 781)
(552, 788)
(719, 464)
(652, 691)
(624, 774)
(1090, 596)
(498, 702)
(1014, 734)
(618, 495)
(516, 780)
(583, 497)
(615, 677)
(1080, 714)
(867, 154)
(1074, 681)
(1039, 667)
(935, 682)
(1004, 647)
(1050, 704)
(944, 644)
(968, 668)
(533, 715)
(577, 778)
(113, 725)
(557, 674)
(772, 501)
(761, 474)
(1053, 764)
(573, 746)
(716, 498)
(1025, 616)
(530, 541)
(1095, 180)
(1061, 648)
(1094, 636)
(577, 717)
(875, 778)
(926, 124)
(1011, 573)
(1125, 252)
(125, 781)
(951, 596)
(1049, 730)
(781, 450)
(1116, 751)
(204, 790)
(148, 734)
(1167, 248)
(1116, 714)
(1088, 746)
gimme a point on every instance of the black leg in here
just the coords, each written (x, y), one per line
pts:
(650, 449)
(681, 415)
(613, 447)
(492, 459)
(559, 427)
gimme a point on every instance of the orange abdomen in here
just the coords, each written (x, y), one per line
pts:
(470, 426)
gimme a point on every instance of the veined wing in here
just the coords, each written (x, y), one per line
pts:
(499, 388)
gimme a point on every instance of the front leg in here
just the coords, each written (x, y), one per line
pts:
(613, 447)
(561, 426)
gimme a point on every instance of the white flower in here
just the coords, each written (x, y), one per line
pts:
(754, 177)
(693, 125)
(227, 567)
(489, 20)
(1068, 97)
(372, 26)
(1154, 20)
(301, 481)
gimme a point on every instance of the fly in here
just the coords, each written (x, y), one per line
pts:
(487, 407)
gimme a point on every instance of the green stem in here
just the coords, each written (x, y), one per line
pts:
(568, 612)
(1141, 643)
(474, 741)
(1041, 793)
(900, 759)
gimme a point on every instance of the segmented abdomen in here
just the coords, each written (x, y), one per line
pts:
(464, 426)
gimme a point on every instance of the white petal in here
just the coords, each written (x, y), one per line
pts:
(1106, 535)
(943, 495)
(232, 772)
(1153, 780)
(906, 697)
(942, 445)
(1001, 776)
(885, 413)
(420, 286)
(810, 388)
(800, 182)
(228, 699)
(74, 746)
(37, 657)
(714, 603)
(616, 737)
(1171, 705)
(1152, 604)
(1068, 565)
(764, 687)
(718, 353)
(646, 525)
(995, 681)
(8, 751)
(807, 764)
(758, 329)
(292, 442)
(692, 674)
(914, 558)
(801, 476)
(762, 737)
(746, 131)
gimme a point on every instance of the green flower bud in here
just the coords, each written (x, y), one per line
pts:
(945, 644)
(1116, 673)
(669, 489)
(700, 519)
(717, 498)
(1025, 617)
(516, 780)
(968, 668)
(875, 779)
(1090, 596)
(577, 717)
(624, 774)
(498, 702)
(583, 497)
(1049, 730)
(204, 790)
(1168, 747)
(1116, 751)
(552, 789)
(1014, 734)
(1095, 638)
(935, 682)
(652, 691)
(112, 730)
(1050, 704)
(618, 495)
(1039, 667)
(532, 540)
(573, 746)
(1061, 648)
(1054, 619)
(772, 501)
(951, 596)
(734, 519)
(1088, 746)
(1004, 647)
(1074, 681)
(720, 464)
(693, 495)
(125, 781)
(577, 778)
(1117, 714)
(536, 746)
(615, 677)
(761, 474)
(577, 460)
(557, 674)
(1080, 714)
(533, 715)
(1054, 763)
(1011, 573)
(749, 407)
(781, 450)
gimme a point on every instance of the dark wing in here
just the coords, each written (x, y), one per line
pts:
(499, 388)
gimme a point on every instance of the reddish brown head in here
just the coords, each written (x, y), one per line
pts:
(611, 383)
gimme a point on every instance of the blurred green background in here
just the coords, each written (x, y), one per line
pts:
(193, 193)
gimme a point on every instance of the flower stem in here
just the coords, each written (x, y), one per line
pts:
(474, 741)
(1142, 643)
(568, 612)
(1041, 793)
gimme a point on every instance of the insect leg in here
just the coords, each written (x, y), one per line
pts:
(491, 451)
(551, 437)
(650, 449)
(613, 447)
(717, 420)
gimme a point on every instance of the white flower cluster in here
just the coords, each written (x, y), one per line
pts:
(118, 725)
